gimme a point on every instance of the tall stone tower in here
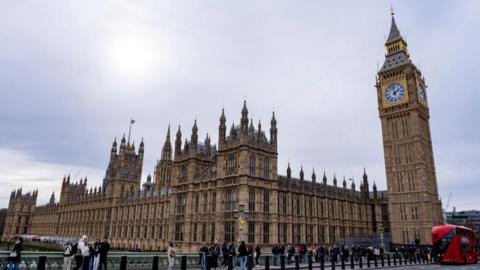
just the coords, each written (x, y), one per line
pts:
(403, 107)
(124, 169)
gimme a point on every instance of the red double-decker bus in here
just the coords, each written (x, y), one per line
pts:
(454, 244)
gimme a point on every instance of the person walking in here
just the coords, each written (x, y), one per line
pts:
(97, 246)
(14, 257)
(215, 250)
(67, 256)
(85, 252)
(258, 252)
(243, 254)
(203, 256)
(225, 254)
(104, 249)
(171, 253)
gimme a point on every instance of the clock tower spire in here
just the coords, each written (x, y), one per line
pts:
(410, 170)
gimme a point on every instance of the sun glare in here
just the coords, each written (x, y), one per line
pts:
(133, 57)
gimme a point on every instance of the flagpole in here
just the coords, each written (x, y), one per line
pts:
(130, 130)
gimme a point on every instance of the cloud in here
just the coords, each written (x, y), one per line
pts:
(314, 63)
(19, 169)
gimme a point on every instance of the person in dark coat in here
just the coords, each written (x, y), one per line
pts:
(15, 255)
(225, 253)
(243, 254)
(104, 249)
(203, 252)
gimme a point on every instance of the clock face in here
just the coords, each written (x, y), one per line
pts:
(422, 96)
(394, 92)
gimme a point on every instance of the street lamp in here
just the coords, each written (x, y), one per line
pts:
(381, 231)
(241, 215)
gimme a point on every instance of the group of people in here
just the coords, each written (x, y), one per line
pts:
(210, 254)
(87, 256)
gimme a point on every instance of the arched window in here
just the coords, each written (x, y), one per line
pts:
(231, 163)
(266, 168)
(253, 164)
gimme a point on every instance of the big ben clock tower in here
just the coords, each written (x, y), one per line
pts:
(414, 206)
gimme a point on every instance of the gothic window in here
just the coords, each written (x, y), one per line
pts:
(194, 232)
(229, 232)
(205, 202)
(204, 232)
(212, 235)
(309, 234)
(251, 201)
(321, 234)
(282, 205)
(253, 164)
(266, 201)
(251, 232)
(231, 163)
(298, 206)
(296, 233)
(180, 203)
(183, 174)
(230, 200)
(266, 168)
(179, 231)
(214, 202)
(197, 202)
(266, 233)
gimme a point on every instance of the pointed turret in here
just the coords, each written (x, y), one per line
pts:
(186, 146)
(233, 134)
(324, 179)
(259, 132)
(114, 146)
(334, 180)
(178, 142)
(141, 149)
(314, 177)
(394, 32)
(122, 143)
(289, 171)
(194, 138)
(244, 121)
(396, 49)
(222, 130)
(167, 147)
(302, 175)
(207, 145)
(353, 185)
(375, 195)
(344, 183)
(273, 130)
(365, 181)
(52, 198)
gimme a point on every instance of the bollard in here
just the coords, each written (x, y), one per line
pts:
(309, 262)
(297, 262)
(123, 263)
(183, 263)
(267, 263)
(230, 262)
(343, 262)
(208, 262)
(155, 263)
(282, 262)
(250, 262)
(352, 263)
(42, 263)
(322, 263)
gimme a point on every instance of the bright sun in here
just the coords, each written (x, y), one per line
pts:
(133, 57)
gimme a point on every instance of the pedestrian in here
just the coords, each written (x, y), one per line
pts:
(334, 252)
(14, 257)
(97, 246)
(104, 249)
(258, 252)
(275, 252)
(242, 254)
(67, 255)
(215, 250)
(225, 254)
(203, 256)
(233, 253)
(171, 253)
(85, 252)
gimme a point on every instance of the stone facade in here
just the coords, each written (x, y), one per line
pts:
(195, 192)
(411, 180)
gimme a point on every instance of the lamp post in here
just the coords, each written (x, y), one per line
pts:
(241, 215)
(381, 231)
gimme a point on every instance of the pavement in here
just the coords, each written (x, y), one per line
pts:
(439, 267)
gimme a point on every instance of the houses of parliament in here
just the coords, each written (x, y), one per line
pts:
(199, 188)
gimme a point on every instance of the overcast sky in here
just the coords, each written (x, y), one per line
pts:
(72, 73)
